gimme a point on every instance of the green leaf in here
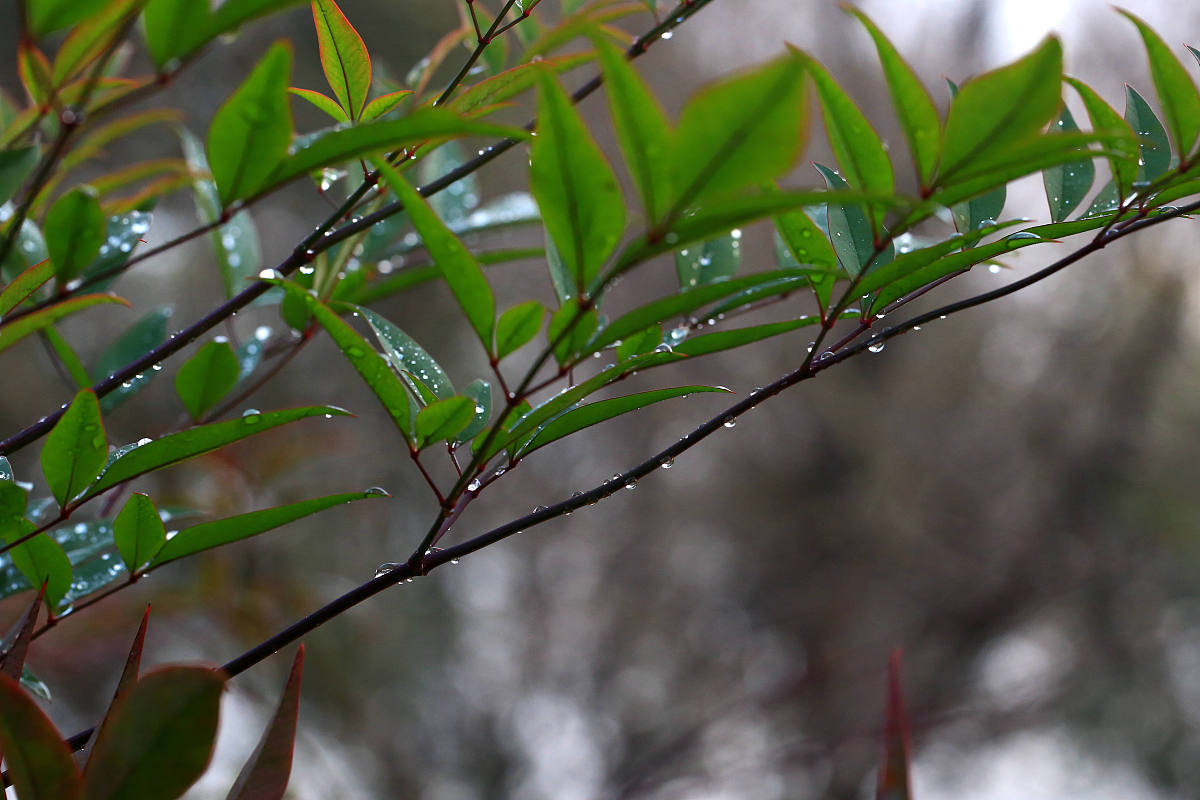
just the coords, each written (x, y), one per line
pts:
(375, 371)
(34, 685)
(1066, 184)
(157, 741)
(265, 774)
(15, 167)
(727, 340)
(458, 265)
(138, 531)
(709, 262)
(76, 449)
(344, 144)
(208, 535)
(642, 342)
(915, 110)
(207, 377)
(799, 241)
(1104, 117)
(443, 419)
(25, 284)
(250, 133)
(91, 38)
(344, 57)
(175, 29)
(576, 419)
(1178, 95)
(406, 356)
(21, 327)
(28, 249)
(739, 133)
(74, 232)
(383, 104)
(1154, 149)
(6, 474)
(850, 231)
(574, 185)
(979, 211)
(560, 278)
(323, 102)
(40, 765)
(142, 336)
(583, 324)
(176, 447)
(40, 560)
(517, 326)
(1001, 108)
(454, 202)
(47, 16)
(67, 357)
(641, 126)
(480, 391)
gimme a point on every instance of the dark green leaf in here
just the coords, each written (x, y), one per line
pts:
(34, 685)
(19, 328)
(158, 740)
(980, 211)
(709, 262)
(574, 185)
(15, 166)
(458, 265)
(207, 377)
(640, 343)
(122, 235)
(142, 336)
(568, 344)
(40, 765)
(28, 249)
(801, 241)
(443, 419)
(1178, 95)
(1066, 184)
(851, 233)
(480, 391)
(726, 340)
(67, 357)
(560, 278)
(138, 531)
(265, 774)
(24, 285)
(517, 326)
(208, 535)
(74, 232)
(249, 136)
(6, 473)
(39, 560)
(1154, 148)
(576, 419)
(1104, 117)
(454, 202)
(76, 449)
(406, 356)
(176, 447)
(344, 57)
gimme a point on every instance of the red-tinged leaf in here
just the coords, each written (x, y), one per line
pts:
(383, 104)
(24, 285)
(158, 739)
(91, 38)
(321, 101)
(34, 70)
(265, 775)
(16, 641)
(129, 675)
(40, 764)
(894, 780)
(344, 57)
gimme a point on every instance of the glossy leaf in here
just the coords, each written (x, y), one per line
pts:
(344, 57)
(574, 186)
(265, 774)
(1103, 117)
(138, 531)
(1000, 108)
(19, 328)
(406, 356)
(176, 447)
(979, 211)
(726, 340)
(480, 391)
(40, 765)
(250, 133)
(74, 232)
(40, 560)
(321, 101)
(15, 166)
(47, 16)
(800, 241)
(208, 535)
(24, 285)
(738, 133)
(576, 419)
(570, 329)
(1176, 91)
(157, 741)
(443, 419)
(28, 249)
(1067, 184)
(76, 449)
(712, 261)
(641, 126)
(206, 377)
(375, 371)
(560, 278)
(851, 232)
(517, 326)
(915, 110)
(6, 473)
(642, 342)
(1154, 148)
(459, 267)
(147, 333)
(383, 104)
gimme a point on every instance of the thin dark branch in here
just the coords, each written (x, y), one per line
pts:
(482, 43)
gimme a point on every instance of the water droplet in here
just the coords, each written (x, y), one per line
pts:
(538, 509)
(663, 348)
(376, 491)
(385, 568)
(142, 442)
(670, 462)
(876, 347)
(667, 34)
(730, 422)
(994, 269)
(631, 485)
(268, 274)
(474, 485)
(251, 416)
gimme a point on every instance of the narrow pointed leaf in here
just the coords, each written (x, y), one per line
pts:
(33, 68)
(581, 323)
(250, 133)
(46, 16)
(16, 641)
(176, 447)
(641, 126)
(208, 535)
(574, 185)
(1154, 147)
(76, 449)
(1103, 117)
(344, 57)
(517, 326)
(1067, 184)
(67, 357)
(91, 38)
(15, 167)
(644, 341)
(24, 285)
(712, 261)
(406, 356)
(324, 102)
(443, 419)
(74, 232)
(138, 531)
(1178, 95)
(459, 267)
(40, 764)
(175, 29)
(129, 673)
(894, 780)
(147, 333)
(585, 416)
(19, 328)
(382, 105)
(265, 774)
(157, 741)
(851, 232)
(1001, 107)
(727, 340)
(207, 377)
(914, 108)
(480, 391)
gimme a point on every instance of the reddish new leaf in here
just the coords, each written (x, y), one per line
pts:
(894, 780)
(265, 776)
(344, 57)
(16, 641)
(40, 764)
(129, 674)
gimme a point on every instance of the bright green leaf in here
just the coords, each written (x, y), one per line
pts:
(138, 531)
(727, 340)
(40, 560)
(344, 57)
(207, 377)
(91, 38)
(76, 449)
(443, 419)
(46, 16)
(1104, 117)
(708, 262)
(24, 285)
(1178, 95)
(382, 105)
(517, 326)
(21, 327)
(175, 29)
(567, 344)
(323, 102)
(74, 232)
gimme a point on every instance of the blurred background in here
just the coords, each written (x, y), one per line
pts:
(1009, 495)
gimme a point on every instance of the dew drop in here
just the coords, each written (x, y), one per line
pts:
(994, 269)
(385, 568)
(538, 509)
(251, 416)
(474, 485)
(875, 347)
(670, 462)
(376, 491)
(631, 485)
(730, 422)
